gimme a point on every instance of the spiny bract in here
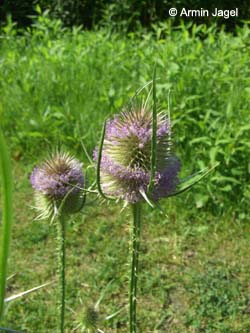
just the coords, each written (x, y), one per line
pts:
(126, 156)
(58, 180)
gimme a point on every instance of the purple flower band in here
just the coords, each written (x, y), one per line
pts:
(125, 164)
(56, 178)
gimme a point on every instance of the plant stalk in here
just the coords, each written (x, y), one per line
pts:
(61, 270)
(135, 235)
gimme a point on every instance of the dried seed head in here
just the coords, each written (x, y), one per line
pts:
(126, 156)
(91, 317)
(58, 180)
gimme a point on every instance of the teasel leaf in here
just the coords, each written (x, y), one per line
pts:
(188, 182)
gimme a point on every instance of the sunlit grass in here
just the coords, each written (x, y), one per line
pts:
(175, 251)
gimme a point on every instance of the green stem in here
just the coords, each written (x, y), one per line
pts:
(61, 270)
(136, 231)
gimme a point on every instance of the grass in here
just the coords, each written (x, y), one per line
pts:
(194, 269)
(57, 86)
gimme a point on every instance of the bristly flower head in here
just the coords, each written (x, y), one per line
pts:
(125, 167)
(58, 181)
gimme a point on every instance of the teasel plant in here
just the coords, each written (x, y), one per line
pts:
(135, 163)
(59, 192)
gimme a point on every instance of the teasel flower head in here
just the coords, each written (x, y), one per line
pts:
(58, 183)
(125, 167)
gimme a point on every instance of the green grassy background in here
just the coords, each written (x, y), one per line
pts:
(57, 86)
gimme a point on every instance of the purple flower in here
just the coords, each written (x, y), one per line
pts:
(58, 177)
(126, 157)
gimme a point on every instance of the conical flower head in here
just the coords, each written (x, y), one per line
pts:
(126, 156)
(58, 182)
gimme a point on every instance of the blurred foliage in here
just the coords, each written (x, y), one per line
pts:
(126, 15)
(58, 85)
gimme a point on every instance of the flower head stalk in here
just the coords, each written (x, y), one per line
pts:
(58, 184)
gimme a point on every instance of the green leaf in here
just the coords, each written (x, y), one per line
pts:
(225, 179)
(38, 9)
(190, 181)
(7, 218)
(227, 188)
(201, 200)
